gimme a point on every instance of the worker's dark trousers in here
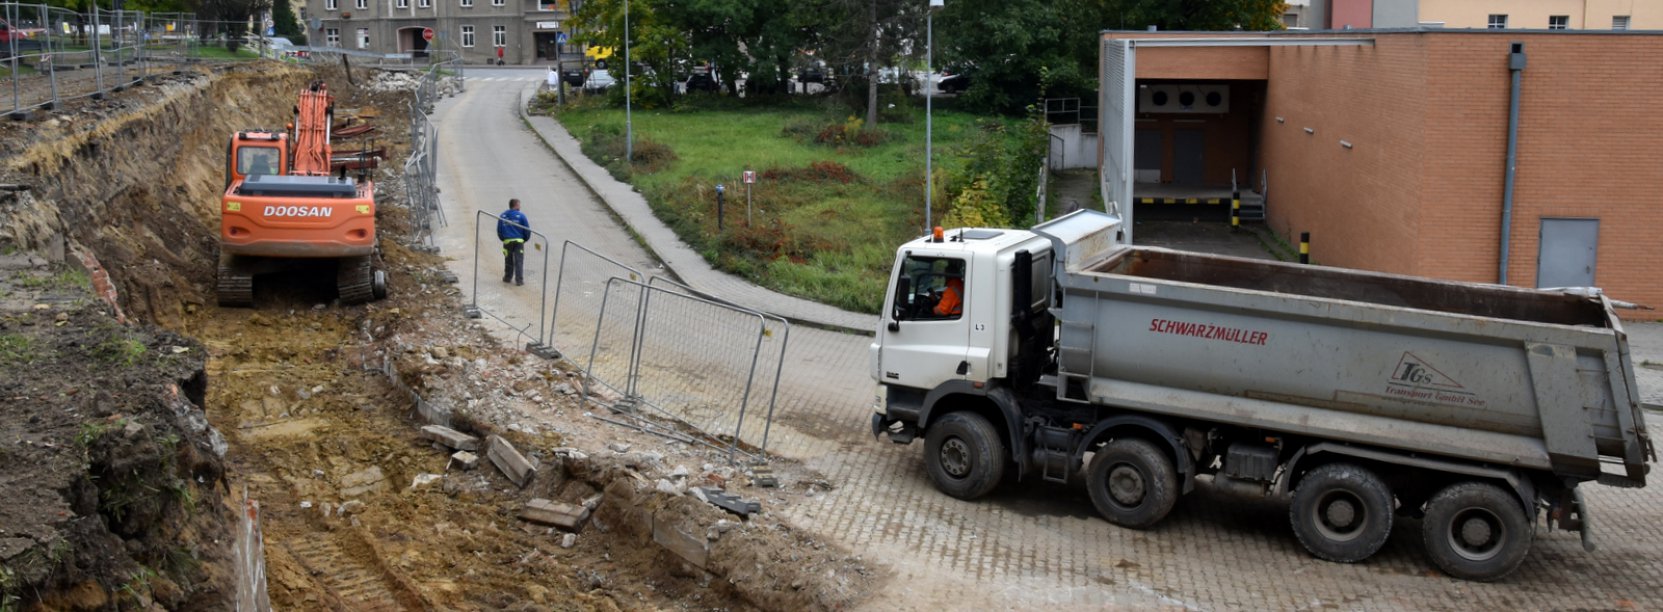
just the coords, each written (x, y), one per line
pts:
(513, 264)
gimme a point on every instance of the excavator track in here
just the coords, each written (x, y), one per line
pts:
(355, 279)
(234, 286)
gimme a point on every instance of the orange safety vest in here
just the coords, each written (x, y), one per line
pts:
(952, 299)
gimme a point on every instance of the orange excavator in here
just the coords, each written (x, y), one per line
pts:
(285, 205)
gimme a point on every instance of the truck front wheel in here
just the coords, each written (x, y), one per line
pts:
(1342, 512)
(964, 455)
(1132, 483)
(1476, 531)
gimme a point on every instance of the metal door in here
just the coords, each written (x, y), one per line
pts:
(1146, 156)
(1569, 249)
(1188, 167)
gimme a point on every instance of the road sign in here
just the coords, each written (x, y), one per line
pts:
(427, 34)
(750, 177)
(271, 31)
(560, 37)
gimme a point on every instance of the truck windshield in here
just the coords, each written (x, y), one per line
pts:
(937, 288)
(256, 160)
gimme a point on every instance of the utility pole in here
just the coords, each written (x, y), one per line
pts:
(629, 127)
(929, 114)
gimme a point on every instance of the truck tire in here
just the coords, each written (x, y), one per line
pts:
(1342, 512)
(1132, 483)
(963, 454)
(1476, 531)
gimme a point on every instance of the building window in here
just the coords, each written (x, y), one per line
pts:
(498, 2)
(1559, 22)
(404, 4)
(548, 6)
(467, 35)
(1498, 22)
(362, 4)
(467, 3)
(1290, 20)
(363, 38)
(332, 37)
(424, 3)
(499, 36)
(329, 5)
(1619, 22)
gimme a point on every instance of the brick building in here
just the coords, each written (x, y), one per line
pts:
(1390, 147)
(525, 30)
(1478, 14)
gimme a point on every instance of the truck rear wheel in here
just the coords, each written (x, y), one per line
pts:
(1342, 512)
(1132, 483)
(1476, 531)
(963, 454)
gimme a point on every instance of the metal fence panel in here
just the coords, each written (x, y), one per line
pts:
(579, 292)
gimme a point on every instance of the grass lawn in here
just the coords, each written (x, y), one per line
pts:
(827, 216)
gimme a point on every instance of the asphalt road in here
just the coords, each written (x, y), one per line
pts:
(1029, 544)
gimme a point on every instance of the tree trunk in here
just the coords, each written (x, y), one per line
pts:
(872, 67)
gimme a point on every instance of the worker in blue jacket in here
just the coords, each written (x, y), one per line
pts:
(513, 229)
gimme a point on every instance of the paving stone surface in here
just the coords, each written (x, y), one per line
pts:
(1034, 544)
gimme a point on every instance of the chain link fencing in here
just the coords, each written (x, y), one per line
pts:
(50, 55)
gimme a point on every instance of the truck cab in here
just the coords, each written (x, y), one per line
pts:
(998, 330)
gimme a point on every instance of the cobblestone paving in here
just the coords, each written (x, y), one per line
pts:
(1032, 544)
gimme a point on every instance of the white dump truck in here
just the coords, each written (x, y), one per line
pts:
(1359, 396)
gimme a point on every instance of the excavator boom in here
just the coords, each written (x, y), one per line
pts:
(314, 113)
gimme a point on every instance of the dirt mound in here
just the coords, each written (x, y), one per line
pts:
(114, 479)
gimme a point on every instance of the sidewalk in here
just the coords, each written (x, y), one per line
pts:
(688, 266)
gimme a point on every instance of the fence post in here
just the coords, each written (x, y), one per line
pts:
(97, 56)
(1304, 247)
(11, 44)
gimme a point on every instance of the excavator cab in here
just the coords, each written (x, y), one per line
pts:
(256, 153)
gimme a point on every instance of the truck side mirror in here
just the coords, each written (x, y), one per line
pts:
(903, 299)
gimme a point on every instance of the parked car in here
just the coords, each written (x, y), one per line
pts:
(572, 77)
(951, 83)
(703, 78)
(599, 80)
(23, 41)
(283, 48)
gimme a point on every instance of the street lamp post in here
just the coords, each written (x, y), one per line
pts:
(929, 121)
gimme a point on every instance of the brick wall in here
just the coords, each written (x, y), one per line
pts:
(1420, 190)
(1359, 204)
(1197, 63)
(1589, 137)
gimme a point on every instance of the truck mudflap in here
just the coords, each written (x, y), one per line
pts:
(1571, 514)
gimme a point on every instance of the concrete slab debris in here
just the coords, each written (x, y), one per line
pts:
(451, 438)
(694, 550)
(728, 501)
(561, 515)
(465, 460)
(513, 465)
(363, 481)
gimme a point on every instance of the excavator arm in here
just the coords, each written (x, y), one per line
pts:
(314, 113)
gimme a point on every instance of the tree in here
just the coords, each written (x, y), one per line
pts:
(284, 21)
(870, 35)
(1018, 51)
(654, 43)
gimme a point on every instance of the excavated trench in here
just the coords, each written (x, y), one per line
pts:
(317, 404)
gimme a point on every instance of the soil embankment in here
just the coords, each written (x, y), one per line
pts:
(312, 406)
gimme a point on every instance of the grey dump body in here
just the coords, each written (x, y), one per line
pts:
(1508, 377)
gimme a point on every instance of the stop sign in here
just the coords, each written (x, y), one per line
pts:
(427, 34)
